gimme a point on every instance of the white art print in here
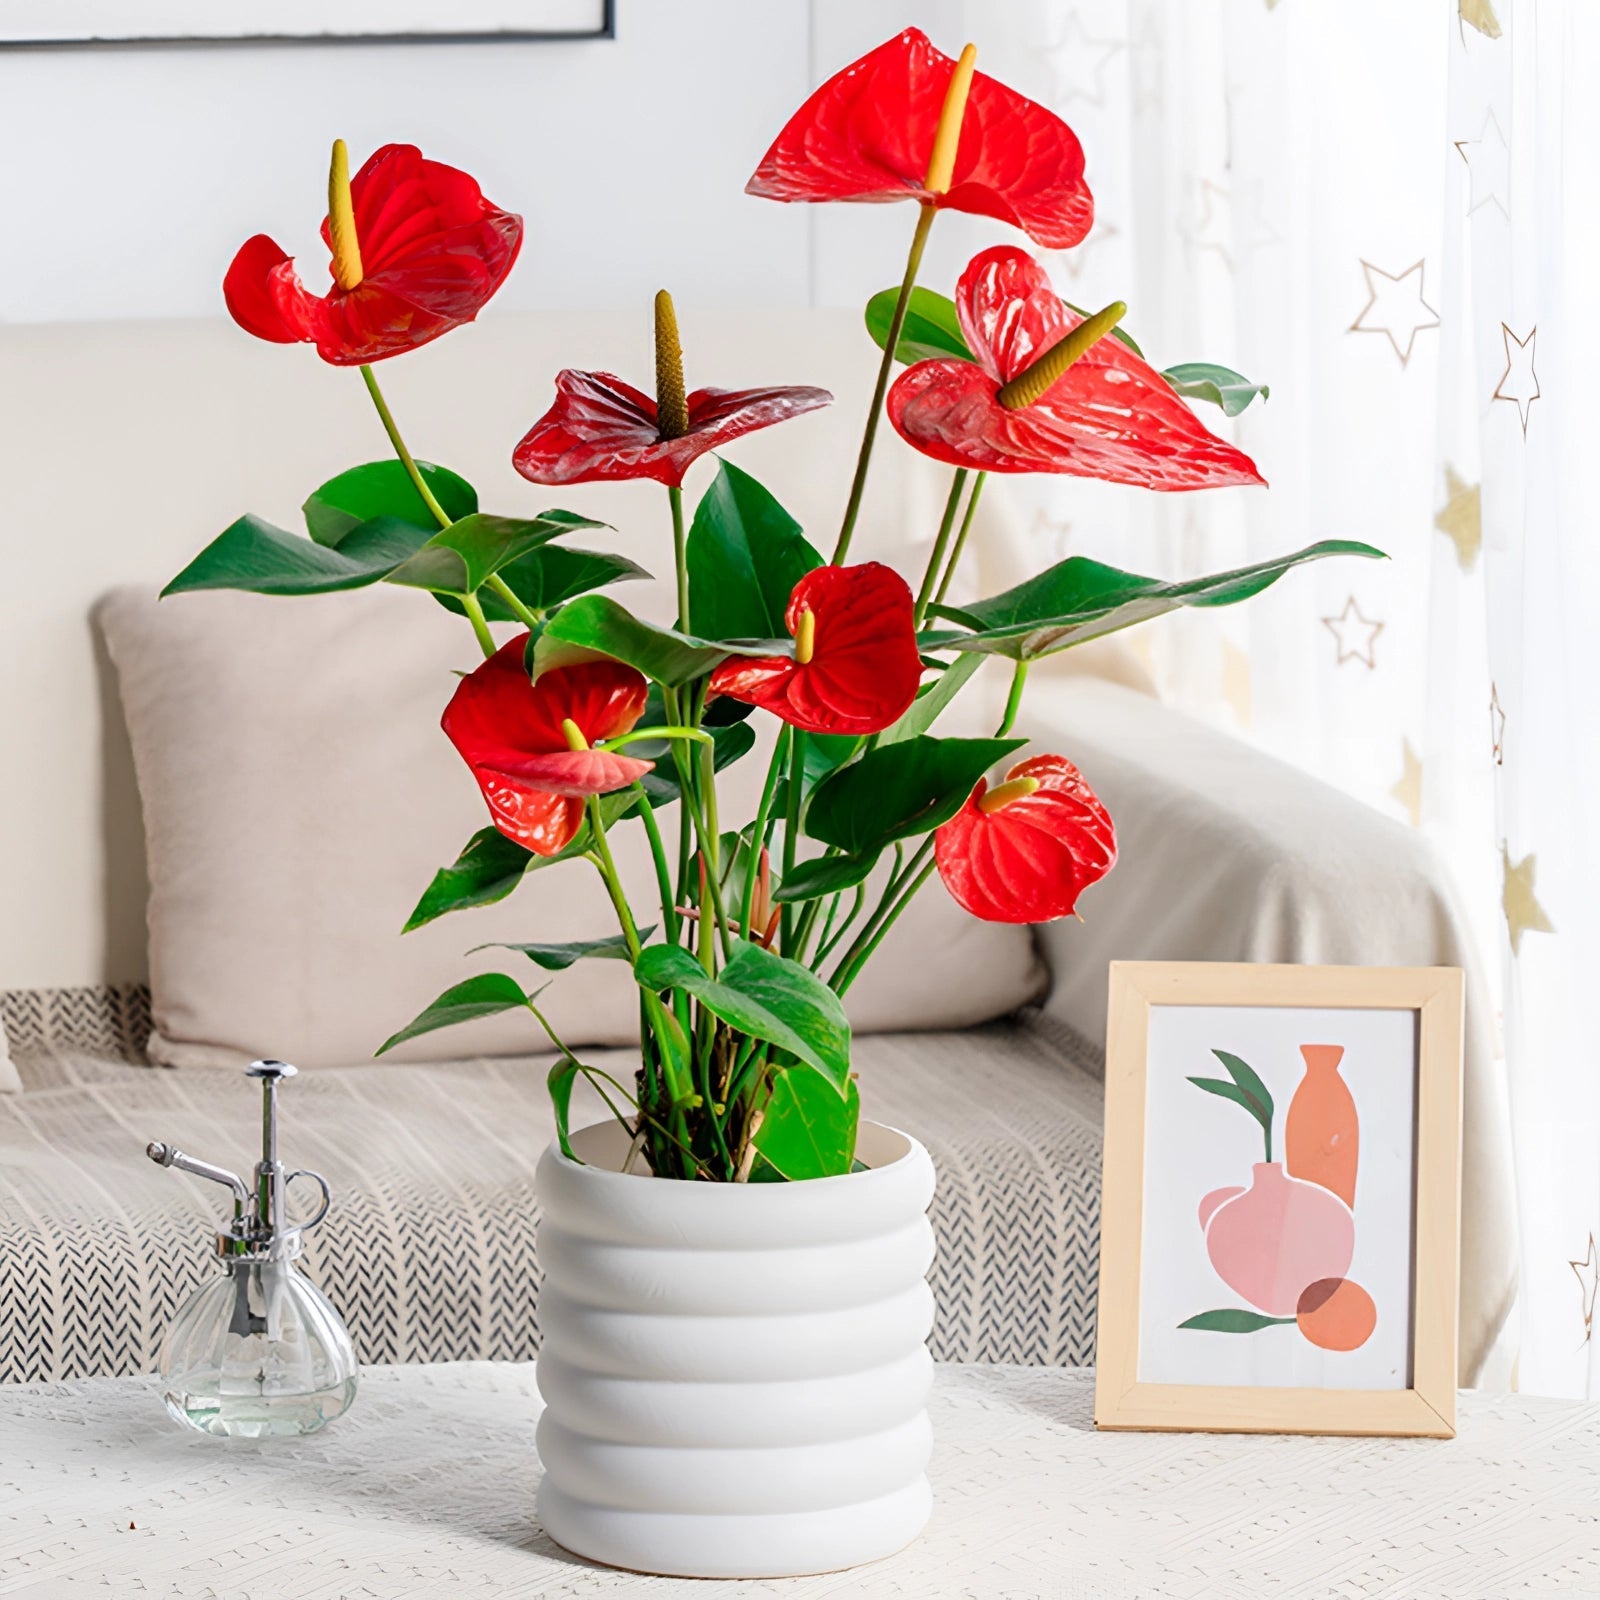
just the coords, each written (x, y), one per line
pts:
(1278, 1208)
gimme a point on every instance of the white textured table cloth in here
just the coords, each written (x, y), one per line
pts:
(426, 1489)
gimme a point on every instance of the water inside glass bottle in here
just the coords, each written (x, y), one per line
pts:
(259, 1351)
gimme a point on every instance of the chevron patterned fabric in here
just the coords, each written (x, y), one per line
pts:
(428, 1251)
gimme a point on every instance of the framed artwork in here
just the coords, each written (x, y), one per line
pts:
(60, 22)
(1280, 1214)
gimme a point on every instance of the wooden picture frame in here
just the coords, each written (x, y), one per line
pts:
(1423, 1402)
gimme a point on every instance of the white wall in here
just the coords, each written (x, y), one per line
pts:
(131, 175)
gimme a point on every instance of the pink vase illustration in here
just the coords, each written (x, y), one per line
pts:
(1321, 1134)
(1269, 1242)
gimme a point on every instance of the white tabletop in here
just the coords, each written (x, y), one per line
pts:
(426, 1489)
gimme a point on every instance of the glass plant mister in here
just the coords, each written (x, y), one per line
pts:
(258, 1352)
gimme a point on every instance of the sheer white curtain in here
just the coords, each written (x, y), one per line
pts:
(1387, 213)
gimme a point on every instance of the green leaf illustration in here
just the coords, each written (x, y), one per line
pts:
(1233, 1319)
(1231, 1091)
(1244, 1075)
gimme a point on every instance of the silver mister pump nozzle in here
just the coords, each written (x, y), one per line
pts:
(259, 1231)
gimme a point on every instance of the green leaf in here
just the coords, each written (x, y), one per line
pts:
(548, 577)
(931, 699)
(931, 331)
(808, 1131)
(1231, 1320)
(488, 870)
(482, 996)
(827, 752)
(558, 957)
(824, 875)
(1200, 380)
(1079, 599)
(1245, 1077)
(559, 1082)
(745, 555)
(259, 558)
(461, 558)
(384, 489)
(764, 995)
(899, 790)
(595, 625)
(491, 866)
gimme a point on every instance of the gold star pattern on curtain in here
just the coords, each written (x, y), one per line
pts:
(1519, 383)
(1488, 159)
(1497, 726)
(1078, 63)
(1395, 308)
(1209, 226)
(1523, 912)
(1408, 786)
(1462, 517)
(1074, 261)
(1354, 634)
(1587, 1271)
(1479, 14)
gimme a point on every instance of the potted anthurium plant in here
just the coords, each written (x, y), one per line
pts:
(734, 1307)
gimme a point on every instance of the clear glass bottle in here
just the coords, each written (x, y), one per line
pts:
(258, 1352)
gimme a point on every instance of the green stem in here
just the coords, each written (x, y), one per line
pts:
(791, 824)
(961, 538)
(530, 619)
(386, 417)
(713, 845)
(896, 879)
(848, 973)
(480, 625)
(679, 555)
(832, 940)
(1019, 677)
(940, 545)
(858, 485)
(658, 854)
(670, 700)
(698, 734)
(608, 871)
(751, 1061)
(470, 603)
(803, 929)
(758, 830)
(689, 798)
(708, 1094)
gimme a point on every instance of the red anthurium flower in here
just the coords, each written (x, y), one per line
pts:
(855, 667)
(528, 744)
(419, 251)
(1109, 415)
(602, 428)
(868, 134)
(1026, 849)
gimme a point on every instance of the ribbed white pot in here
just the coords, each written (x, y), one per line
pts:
(734, 1375)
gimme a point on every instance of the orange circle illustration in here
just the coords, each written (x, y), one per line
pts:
(1336, 1314)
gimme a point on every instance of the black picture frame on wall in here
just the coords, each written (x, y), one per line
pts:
(36, 24)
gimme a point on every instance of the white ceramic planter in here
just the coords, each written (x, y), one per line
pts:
(734, 1375)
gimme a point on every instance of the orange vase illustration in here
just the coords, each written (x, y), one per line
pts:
(1322, 1137)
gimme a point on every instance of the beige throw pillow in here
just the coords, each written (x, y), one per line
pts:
(298, 796)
